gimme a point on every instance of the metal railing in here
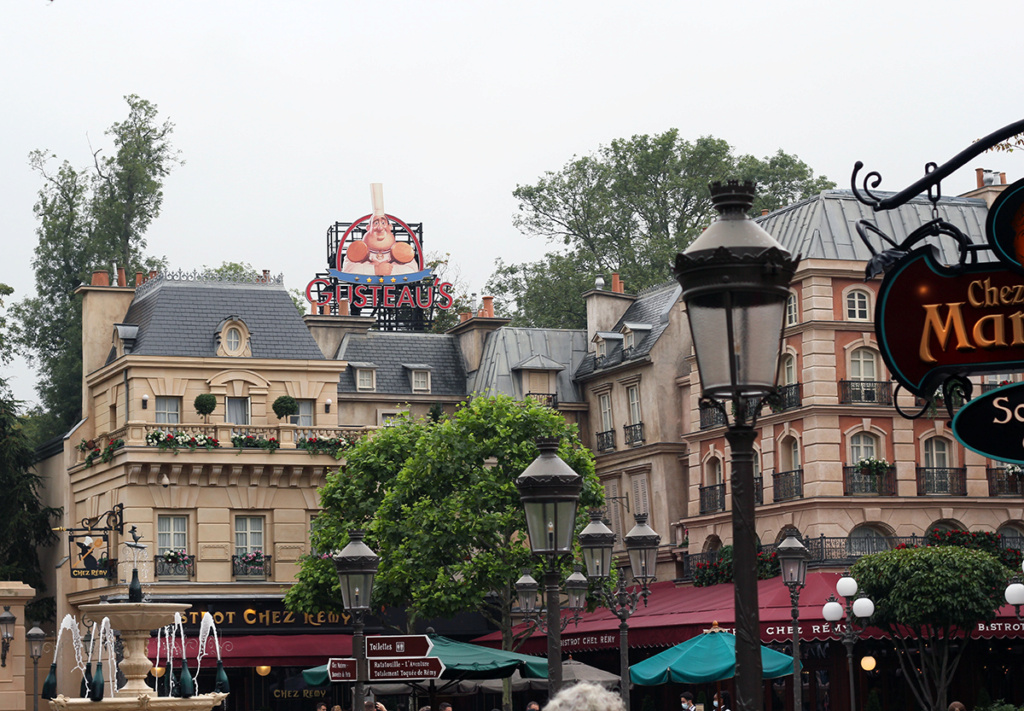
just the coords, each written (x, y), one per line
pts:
(789, 397)
(758, 490)
(712, 498)
(252, 571)
(865, 392)
(711, 416)
(1001, 483)
(547, 399)
(858, 481)
(605, 440)
(178, 570)
(633, 434)
(788, 485)
(942, 481)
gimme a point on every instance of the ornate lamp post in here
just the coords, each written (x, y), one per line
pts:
(1014, 595)
(833, 611)
(35, 637)
(575, 589)
(793, 557)
(642, 543)
(550, 491)
(735, 280)
(357, 565)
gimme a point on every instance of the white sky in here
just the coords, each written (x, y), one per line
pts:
(286, 111)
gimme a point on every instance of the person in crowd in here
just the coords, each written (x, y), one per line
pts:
(321, 706)
(585, 697)
(686, 700)
(723, 701)
(957, 706)
(533, 706)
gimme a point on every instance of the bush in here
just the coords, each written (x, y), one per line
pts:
(205, 404)
(285, 406)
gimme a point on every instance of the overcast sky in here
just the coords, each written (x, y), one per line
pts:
(285, 112)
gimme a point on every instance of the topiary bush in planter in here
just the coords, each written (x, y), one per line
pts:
(285, 406)
(205, 404)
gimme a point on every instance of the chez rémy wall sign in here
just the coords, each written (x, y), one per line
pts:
(937, 324)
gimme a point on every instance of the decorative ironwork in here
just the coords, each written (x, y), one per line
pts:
(712, 498)
(759, 490)
(942, 481)
(255, 570)
(209, 277)
(857, 481)
(176, 570)
(1002, 483)
(711, 416)
(786, 397)
(605, 440)
(547, 399)
(865, 392)
(788, 485)
(633, 434)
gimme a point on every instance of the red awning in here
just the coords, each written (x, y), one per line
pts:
(271, 649)
(674, 614)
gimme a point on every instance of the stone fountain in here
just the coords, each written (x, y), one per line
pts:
(135, 619)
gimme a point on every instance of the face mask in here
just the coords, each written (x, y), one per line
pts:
(716, 704)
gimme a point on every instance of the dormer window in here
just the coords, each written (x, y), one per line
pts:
(629, 339)
(601, 349)
(632, 334)
(233, 338)
(366, 380)
(604, 342)
(421, 381)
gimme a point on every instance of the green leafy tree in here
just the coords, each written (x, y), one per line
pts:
(629, 208)
(25, 523)
(928, 600)
(88, 219)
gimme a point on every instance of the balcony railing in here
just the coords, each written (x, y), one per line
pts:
(865, 392)
(250, 571)
(633, 434)
(989, 387)
(547, 399)
(789, 397)
(712, 498)
(178, 570)
(711, 416)
(942, 481)
(861, 482)
(605, 440)
(758, 490)
(788, 485)
(1001, 483)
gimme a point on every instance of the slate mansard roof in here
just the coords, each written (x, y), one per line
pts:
(824, 226)
(651, 308)
(182, 317)
(394, 355)
(509, 351)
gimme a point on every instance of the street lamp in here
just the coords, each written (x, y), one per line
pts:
(735, 280)
(793, 557)
(550, 491)
(833, 611)
(35, 637)
(642, 543)
(7, 620)
(357, 565)
(575, 588)
(1014, 595)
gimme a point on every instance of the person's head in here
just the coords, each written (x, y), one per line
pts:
(336, 707)
(686, 699)
(957, 706)
(585, 697)
(533, 706)
(445, 706)
(321, 706)
(723, 700)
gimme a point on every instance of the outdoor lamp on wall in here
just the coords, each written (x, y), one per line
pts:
(263, 670)
(327, 405)
(7, 620)
(735, 279)
(145, 401)
(550, 492)
(357, 566)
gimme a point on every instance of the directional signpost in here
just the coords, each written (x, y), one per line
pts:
(341, 669)
(402, 658)
(413, 645)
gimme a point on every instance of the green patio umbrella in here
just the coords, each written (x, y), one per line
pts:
(705, 658)
(465, 661)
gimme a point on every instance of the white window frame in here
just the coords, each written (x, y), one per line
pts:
(714, 472)
(864, 445)
(306, 413)
(858, 305)
(788, 369)
(604, 401)
(628, 339)
(244, 535)
(421, 381)
(859, 358)
(167, 415)
(600, 348)
(935, 456)
(248, 411)
(633, 397)
(171, 533)
(366, 380)
(792, 310)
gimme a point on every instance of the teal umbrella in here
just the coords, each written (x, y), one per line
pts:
(465, 661)
(703, 659)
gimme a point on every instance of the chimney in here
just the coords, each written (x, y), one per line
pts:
(1002, 178)
(488, 307)
(139, 278)
(152, 274)
(100, 278)
(617, 287)
(980, 172)
(764, 211)
(122, 280)
(464, 316)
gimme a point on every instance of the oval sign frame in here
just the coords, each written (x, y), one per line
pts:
(982, 425)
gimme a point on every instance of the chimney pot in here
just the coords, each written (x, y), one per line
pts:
(122, 279)
(764, 211)
(139, 278)
(464, 316)
(100, 278)
(980, 172)
(489, 306)
(1002, 178)
(343, 307)
(152, 274)
(617, 287)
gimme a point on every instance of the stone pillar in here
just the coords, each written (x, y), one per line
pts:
(15, 686)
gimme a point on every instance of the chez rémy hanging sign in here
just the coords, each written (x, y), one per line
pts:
(939, 323)
(378, 263)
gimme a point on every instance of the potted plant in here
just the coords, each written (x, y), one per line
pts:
(285, 406)
(173, 557)
(873, 467)
(205, 404)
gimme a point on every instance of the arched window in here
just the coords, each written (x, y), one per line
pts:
(866, 539)
(1013, 537)
(757, 463)
(936, 453)
(789, 454)
(863, 446)
(792, 311)
(857, 301)
(713, 472)
(788, 370)
(863, 365)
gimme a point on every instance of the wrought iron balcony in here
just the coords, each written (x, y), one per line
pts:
(712, 498)
(989, 387)
(1002, 483)
(861, 482)
(788, 398)
(942, 481)
(547, 399)
(758, 490)
(633, 434)
(250, 570)
(788, 485)
(865, 392)
(711, 416)
(606, 441)
(174, 568)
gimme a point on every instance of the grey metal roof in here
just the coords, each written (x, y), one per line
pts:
(395, 355)
(182, 318)
(539, 362)
(652, 306)
(823, 227)
(509, 348)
